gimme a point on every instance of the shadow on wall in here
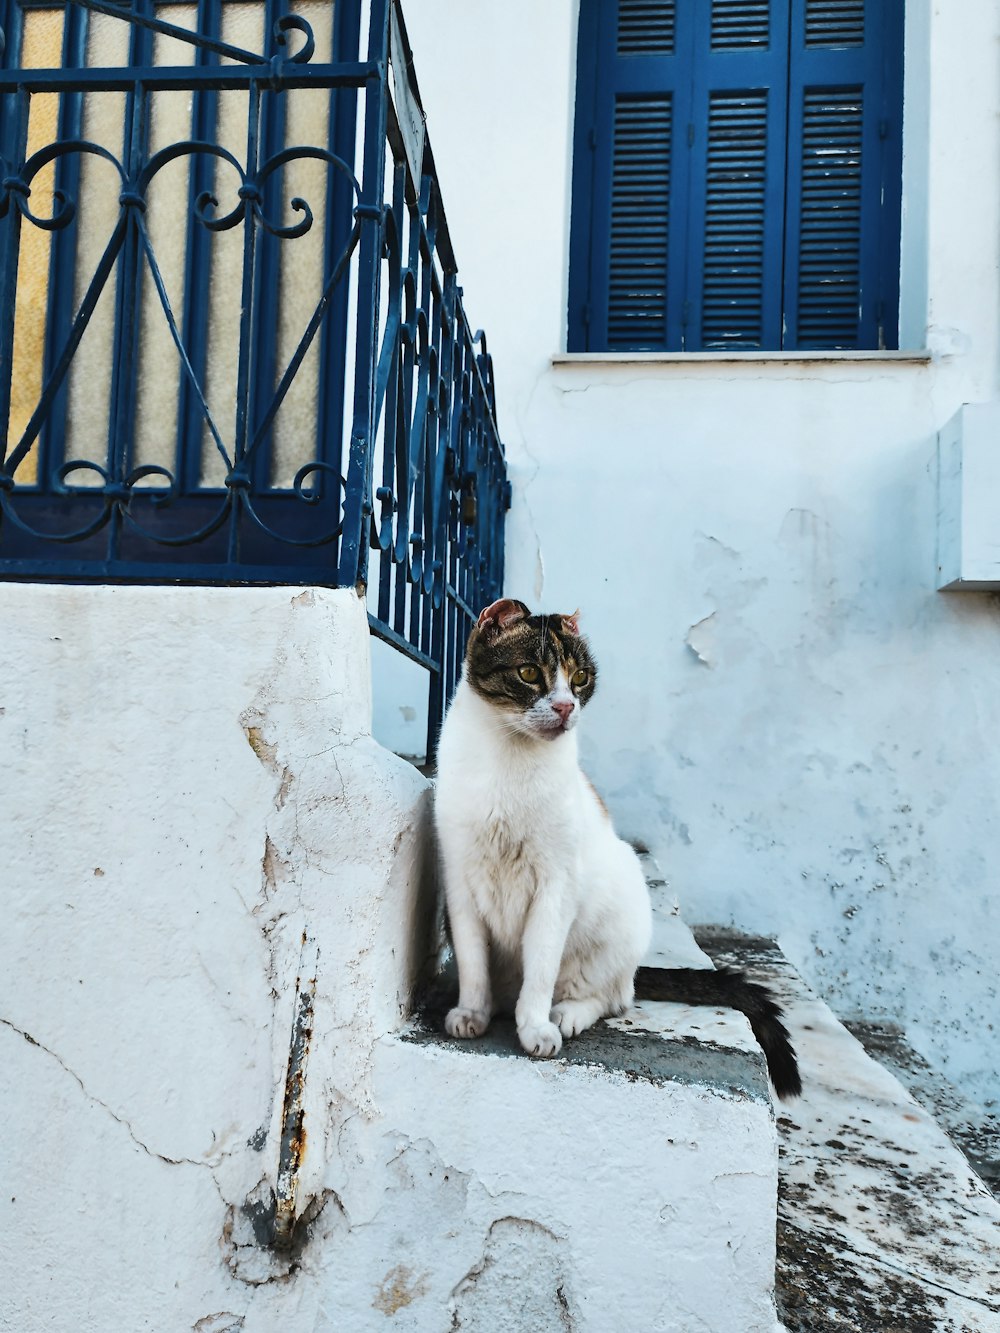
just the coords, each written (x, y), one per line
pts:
(399, 702)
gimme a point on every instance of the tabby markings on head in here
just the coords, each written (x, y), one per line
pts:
(537, 669)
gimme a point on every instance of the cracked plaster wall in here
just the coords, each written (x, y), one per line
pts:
(195, 818)
(792, 717)
(205, 847)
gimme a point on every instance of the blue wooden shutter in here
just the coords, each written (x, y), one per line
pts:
(736, 175)
(679, 161)
(629, 176)
(842, 211)
(733, 281)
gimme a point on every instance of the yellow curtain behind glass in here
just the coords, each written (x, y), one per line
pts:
(41, 49)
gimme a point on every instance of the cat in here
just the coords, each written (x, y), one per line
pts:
(548, 908)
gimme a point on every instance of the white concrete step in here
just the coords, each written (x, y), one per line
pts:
(882, 1223)
(627, 1186)
(969, 1125)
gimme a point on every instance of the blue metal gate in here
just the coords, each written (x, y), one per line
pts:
(223, 357)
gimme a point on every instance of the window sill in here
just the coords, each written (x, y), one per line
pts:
(566, 359)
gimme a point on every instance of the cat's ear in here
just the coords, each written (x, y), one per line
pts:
(501, 615)
(571, 624)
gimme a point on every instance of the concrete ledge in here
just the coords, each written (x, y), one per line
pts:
(214, 911)
(627, 1047)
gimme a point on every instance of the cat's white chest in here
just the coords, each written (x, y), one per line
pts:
(511, 834)
(503, 872)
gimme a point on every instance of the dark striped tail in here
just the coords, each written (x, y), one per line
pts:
(730, 989)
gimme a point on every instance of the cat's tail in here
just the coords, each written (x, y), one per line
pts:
(730, 989)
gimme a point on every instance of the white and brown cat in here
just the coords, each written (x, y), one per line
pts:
(548, 907)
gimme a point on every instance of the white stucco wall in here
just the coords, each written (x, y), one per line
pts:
(194, 817)
(790, 713)
(216, 898)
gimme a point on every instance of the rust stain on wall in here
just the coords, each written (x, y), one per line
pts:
(400, 1287)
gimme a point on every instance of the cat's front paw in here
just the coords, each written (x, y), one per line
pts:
(572, 1017)
(541, 1039)
(466, 1022)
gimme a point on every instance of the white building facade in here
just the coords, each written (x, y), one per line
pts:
(221, 889)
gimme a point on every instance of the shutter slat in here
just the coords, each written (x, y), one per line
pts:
(645, 27)
(640, 208)
(831, 23)
(740, 25)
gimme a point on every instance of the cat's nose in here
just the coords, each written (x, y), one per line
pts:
(563, 710)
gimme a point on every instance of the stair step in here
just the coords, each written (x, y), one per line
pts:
(882, 1223)
(635, 1174)
(645, 1154)
(969, 1125)
(673, 944)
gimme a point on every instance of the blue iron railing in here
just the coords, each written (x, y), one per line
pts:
(181, 399)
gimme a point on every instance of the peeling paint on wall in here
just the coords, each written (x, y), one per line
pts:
(223, 1322)
(520, 1282)
(700, 639)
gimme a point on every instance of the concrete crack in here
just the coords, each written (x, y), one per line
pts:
(917, 1274)
(150, 1152)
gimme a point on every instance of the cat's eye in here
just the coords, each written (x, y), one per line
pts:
(579, 679)
(529, 674)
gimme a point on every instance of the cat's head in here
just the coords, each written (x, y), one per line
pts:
(536, 670)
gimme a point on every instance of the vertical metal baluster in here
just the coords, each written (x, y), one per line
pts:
(198, 264)
(127, 294)
(400, 553)
(62, 257)
(237, 480)
(267, 278)
(341, 139)
(430, 453)
(433, 467)
(17, 146)
(358, 500)
(404, 426)
(390, 482)
(420, 449)
(439, 684)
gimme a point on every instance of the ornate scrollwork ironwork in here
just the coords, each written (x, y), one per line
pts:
(252, 191)
(289, 23)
